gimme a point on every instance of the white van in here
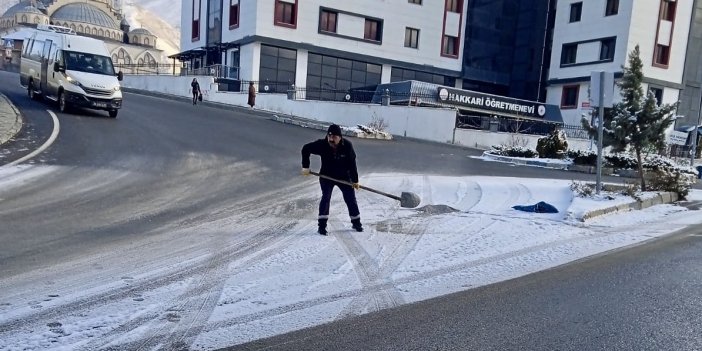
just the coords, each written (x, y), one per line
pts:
(70, 69)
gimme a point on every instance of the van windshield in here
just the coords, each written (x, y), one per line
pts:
(85, 62)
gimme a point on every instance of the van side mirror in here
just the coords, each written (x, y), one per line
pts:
(120, 76)
(58, 68)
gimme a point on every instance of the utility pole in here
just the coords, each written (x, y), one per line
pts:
(600, 132)
(693, 152)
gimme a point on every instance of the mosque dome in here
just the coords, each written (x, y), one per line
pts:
(16, 8)
(140, 31)
(85, 13)
(30, 9)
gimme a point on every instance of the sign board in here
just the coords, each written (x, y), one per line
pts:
(8, 43)
(585, 105)
(467, 98)
(608, 89)
(677, 138)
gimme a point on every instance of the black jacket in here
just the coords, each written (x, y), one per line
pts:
(339, 163)
(196, 87)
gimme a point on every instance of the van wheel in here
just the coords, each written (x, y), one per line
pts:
(30, 91)
(63, 105)
(113, 113)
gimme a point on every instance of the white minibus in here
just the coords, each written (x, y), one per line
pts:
(70, 69)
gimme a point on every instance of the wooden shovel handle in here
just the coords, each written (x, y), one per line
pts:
(360, 186)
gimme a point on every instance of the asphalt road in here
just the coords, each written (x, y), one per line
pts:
(119, 186)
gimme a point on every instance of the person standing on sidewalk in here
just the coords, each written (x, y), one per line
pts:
(196, 90)
(338, 162)
(252, 95)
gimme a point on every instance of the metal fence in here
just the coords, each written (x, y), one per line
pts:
(368, 95)
(575, 131)
(505, 124)
(156, 68)
(217, 71)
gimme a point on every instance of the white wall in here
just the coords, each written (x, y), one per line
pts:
(431, 124)
(643, 32)
(405, 121)
(257, 18)
(593, 25)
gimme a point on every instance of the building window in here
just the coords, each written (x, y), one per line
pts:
(418, 2)
(576, 11)
(331, 78)
(454, 5)
(233, 14)
(607, 47)
(398, 74)
(661, 55)
(449, 46)
(612, 7)
(569, 53)
(667, 10)
(196, 21)
(658, 94)
(277, 69)
(411, 38)
(327, 21)
(373, 30)
(569, 99)
(285, 13)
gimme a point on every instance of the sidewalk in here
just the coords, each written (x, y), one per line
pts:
(10, 120)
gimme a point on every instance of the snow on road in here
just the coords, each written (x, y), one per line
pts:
(259, 269)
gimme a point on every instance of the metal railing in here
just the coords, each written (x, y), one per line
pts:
(575, 132)
(148, 69)
(505, 124)
(217, 71)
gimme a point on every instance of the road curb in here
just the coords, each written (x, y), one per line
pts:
(661, 198)
(10, 120)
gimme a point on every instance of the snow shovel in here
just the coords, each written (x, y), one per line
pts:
(407, 199)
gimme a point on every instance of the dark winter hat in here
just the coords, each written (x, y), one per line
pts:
(334, 130)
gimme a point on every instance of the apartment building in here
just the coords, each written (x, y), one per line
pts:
(598, 35)
(332, 44)
(507, 47)
(691, 95)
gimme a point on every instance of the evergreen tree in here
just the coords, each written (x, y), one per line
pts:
(637, 123)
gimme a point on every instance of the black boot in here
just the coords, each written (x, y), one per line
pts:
(356, 224)
(322, 223)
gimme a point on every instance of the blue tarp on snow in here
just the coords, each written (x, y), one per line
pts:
(540, 207)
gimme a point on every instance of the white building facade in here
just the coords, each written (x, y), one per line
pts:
(326, 44)
(598, 35)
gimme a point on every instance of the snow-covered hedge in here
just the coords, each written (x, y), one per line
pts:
(512, 151)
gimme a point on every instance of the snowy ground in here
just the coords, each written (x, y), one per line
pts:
(264, 272)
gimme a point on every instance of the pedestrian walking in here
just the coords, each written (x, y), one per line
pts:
(252, 95)
(196, 90)
(338, 162)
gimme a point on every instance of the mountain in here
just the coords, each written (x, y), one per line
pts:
(160, 17)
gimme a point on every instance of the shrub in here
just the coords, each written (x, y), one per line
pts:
(582, 189)
(554, 145)
(621, 161)
(513, 151)
(583, 158)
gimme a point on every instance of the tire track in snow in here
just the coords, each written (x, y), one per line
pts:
(200, 299)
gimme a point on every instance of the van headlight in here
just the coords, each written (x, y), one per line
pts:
(117, 88)
(73, 81)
